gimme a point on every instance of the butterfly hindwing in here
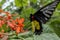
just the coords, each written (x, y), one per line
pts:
(37, 27)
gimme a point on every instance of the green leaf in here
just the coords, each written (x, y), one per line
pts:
(33, 1)
(21, 3)
(5, 28)
(55, 25)
(2, 2)
(47, 36)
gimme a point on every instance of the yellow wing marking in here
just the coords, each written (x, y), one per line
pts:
(36, 25)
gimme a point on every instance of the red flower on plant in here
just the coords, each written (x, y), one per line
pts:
(18, 29)
(1, 10)
(15, 25)
(20, 21)
(11, 25)
(0, 24)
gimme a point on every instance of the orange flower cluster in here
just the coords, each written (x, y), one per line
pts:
(1, 35)
(15, 25)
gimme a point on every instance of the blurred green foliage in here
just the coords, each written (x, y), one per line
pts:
(30, 7)
(30, 10)
(2, 2)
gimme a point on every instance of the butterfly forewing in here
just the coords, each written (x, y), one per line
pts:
(44, 14)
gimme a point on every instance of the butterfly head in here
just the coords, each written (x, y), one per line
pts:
(32, 17)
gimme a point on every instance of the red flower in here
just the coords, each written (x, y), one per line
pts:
(8, 15)
(20, 21)
(18, 29)
(13, 22)
(10, 25)
(1, 10)
(21, 25)
(0, 23)
(1, 35)
(1, 17)
(15, 25)
(16, 20)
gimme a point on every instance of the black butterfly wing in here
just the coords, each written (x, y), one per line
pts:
(45, 13)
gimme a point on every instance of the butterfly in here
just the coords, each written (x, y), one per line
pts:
(42, 16)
